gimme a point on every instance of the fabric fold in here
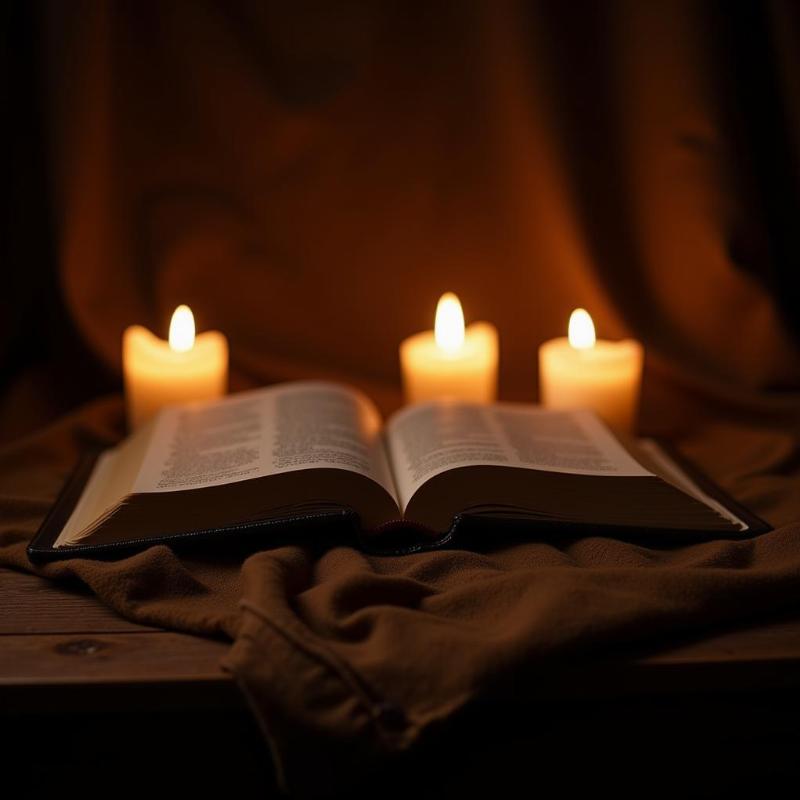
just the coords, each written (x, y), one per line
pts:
(348, 660)
(325, 729)
(345, 667)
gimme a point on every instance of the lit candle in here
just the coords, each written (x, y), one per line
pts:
(579, 372)
(451, 361)
(159, 373)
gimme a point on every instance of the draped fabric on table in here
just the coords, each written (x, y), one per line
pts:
(309, 178)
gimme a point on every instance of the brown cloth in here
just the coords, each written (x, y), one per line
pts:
(347, 658)
(309, 179)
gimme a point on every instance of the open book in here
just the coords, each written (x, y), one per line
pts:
(309, 450)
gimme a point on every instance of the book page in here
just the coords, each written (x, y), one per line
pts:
(302, 425)
(431, 438)
(671, 472)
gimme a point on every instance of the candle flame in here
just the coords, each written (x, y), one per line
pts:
(181, 330)
(449, 327)
(581, 330)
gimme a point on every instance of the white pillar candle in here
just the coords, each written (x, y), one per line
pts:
(451, 360)
(158, 373)
(577, 371)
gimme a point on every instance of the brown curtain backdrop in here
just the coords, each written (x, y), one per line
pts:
(311, 177)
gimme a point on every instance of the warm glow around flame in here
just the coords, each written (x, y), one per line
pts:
(449, 328)
(581, 329)
(181, 330)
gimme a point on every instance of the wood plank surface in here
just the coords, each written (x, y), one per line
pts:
(120, 671)
(30, 604)
(61, 648)
(109, 658)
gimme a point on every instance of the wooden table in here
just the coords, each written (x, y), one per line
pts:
(78, 680)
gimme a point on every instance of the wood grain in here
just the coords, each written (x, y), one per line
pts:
(120, 671)
(32, 605)
(109, 658)
(63, 650)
